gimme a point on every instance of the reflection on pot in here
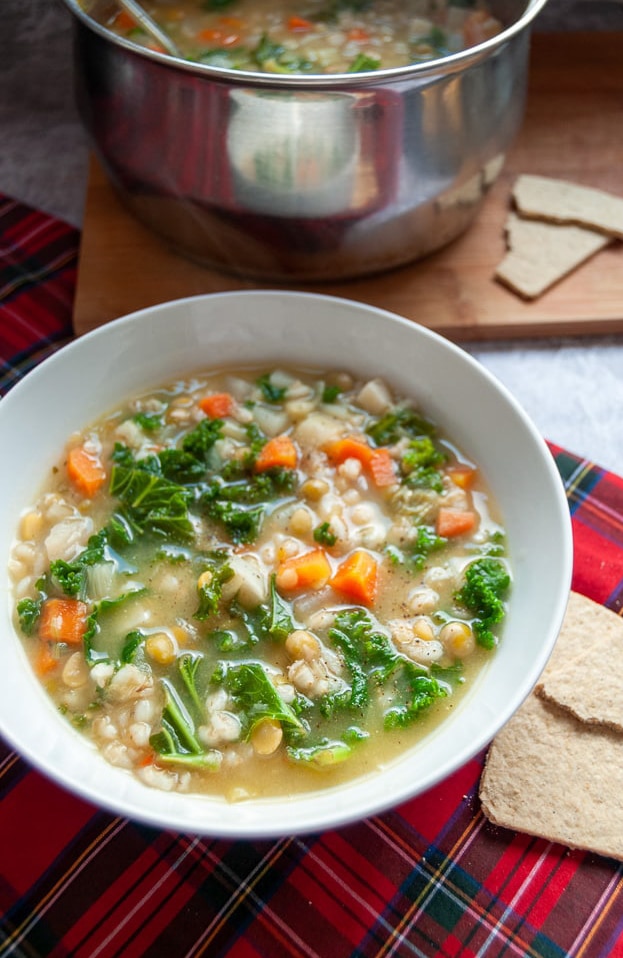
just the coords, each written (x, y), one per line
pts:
(295, 155)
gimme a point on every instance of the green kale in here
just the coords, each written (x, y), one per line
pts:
(242, 523)
(266, 51)
(188, 666)
(210, 587)
(226, 640)
(421, 453)
(120, 532)
(270, 393)
(28, 611)
(421, 692)
(216, 4)
(239, 505)
(364, 63)
(425, 477)
(486, 584)
(397, 424)
(253, 629)
(70, 577)
(176, 743)
(330, 393)
(436, 39)
(251, 488)
(372, 658)
(255, 697)
(268, 622)
(368, 655)
(123, 455)
(278, 620)
(348, 635)
(152, 504)
(324, 536)
(257, 440)
(414, 556)
(94, 627)
(199, 441)
(133, 642)
(182, 467)
(149, 421)
(325, 754)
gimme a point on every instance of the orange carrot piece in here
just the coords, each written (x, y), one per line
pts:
(63, 620)
(299, 24)
(217, 405)
(123, 21)
(277, 452)
(357, 577)
(382, 468)
(358, 34)
(378, 462)
(348, 447)
(85, 471)
(454, 522)
(223, 36)
(310, 570)
(45, 661)
(462, 475)
(148, 759)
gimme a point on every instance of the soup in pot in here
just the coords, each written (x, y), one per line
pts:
(313, 36)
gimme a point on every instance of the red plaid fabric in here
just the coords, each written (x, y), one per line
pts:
(430, 878)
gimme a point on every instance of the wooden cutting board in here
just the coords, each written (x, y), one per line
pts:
(573, 129)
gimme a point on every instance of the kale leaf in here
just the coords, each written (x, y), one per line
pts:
(269, 621)
(149, 421)
(414, 555)
(200, 440)
(324, 536)
(242, 523)
(176, 743)
(28, 611)
(210, 586)
(324, 754)
(278, 620)
(421, 691)
(486, 584)
(419, 464)
(364, 63)
(152, 504)
(94, 627)
(397, 424)
(330, 394)
(254, 695)
(373, 660)
(270, 393)
(71, 577)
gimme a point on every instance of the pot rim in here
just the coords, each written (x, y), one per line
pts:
(440, 66)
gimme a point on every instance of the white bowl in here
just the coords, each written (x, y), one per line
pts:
(95, 373)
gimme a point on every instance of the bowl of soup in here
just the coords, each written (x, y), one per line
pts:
(274, 562)
(313, 141)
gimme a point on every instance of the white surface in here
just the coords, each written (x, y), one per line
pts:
(573, 390)
(222, 330)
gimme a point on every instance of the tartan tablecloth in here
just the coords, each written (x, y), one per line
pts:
(429, 878)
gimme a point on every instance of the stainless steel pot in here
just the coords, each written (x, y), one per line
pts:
(302, 177)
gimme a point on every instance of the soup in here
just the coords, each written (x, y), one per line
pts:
(255, 583)
(313, 36)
